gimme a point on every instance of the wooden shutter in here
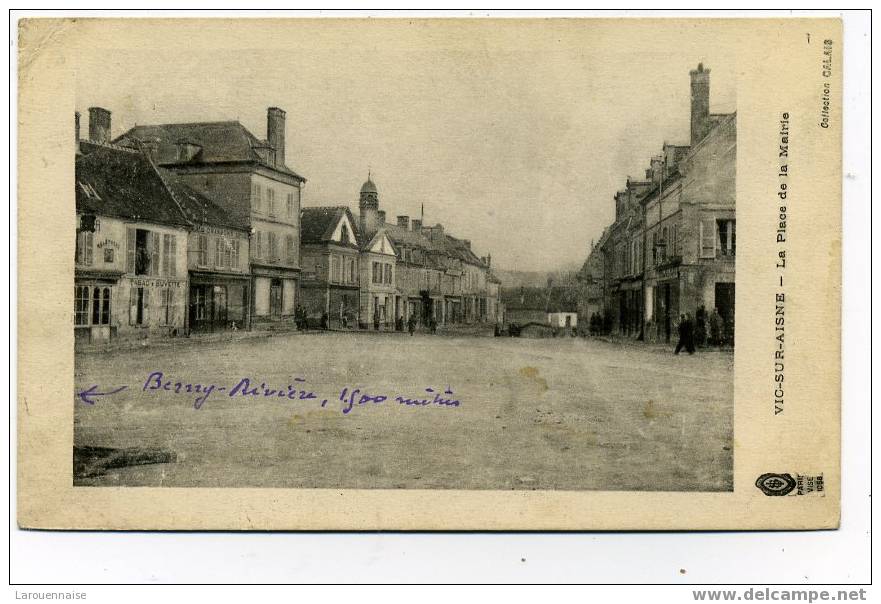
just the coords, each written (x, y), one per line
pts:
(133, 306)
(165, 254)
(707, 238)
(172, 266)
(153, 240)
(130, 244)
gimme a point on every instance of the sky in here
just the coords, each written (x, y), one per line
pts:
(513, 135)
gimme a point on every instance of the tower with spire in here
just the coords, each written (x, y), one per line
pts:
(368, 206)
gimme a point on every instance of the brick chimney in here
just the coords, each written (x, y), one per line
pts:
(489, 260)
(404, 222)
(99, 125)
(275, 130)
(700, 103)
(417, 225)
(381, 216)
(76, 130)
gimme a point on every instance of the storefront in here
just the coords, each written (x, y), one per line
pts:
(274, 295)
(95, 311)
(218, 302)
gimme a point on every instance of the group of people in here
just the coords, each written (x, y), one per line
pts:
(703, 330)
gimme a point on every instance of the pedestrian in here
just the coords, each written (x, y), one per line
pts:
(686, 335)
(715, 328)
(411, 324)
(433, 324)
(324, 321)
(376, 320)
(700, 327)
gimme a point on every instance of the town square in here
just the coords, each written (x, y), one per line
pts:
(566, 413)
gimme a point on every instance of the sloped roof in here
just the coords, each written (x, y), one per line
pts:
(401, 236)
(317, 223)
(116, 182)
(457, 248)
(220, 142)
(198, 208)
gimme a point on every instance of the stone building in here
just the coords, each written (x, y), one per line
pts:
(217, 262)
(420, 272)
(130, 268)
(249, 178)
(670, 250)
(330, 256)
(435, 276)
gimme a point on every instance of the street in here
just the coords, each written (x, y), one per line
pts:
(417, 412)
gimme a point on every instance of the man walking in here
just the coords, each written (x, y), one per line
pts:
(686, 335)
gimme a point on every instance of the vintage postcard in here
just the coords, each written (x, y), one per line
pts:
(406, 274)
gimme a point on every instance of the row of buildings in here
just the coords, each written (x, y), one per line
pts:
(199, 227)
(671, 248)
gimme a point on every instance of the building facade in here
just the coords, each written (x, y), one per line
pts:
(130, 275)
(671, 249)
(217, 263)
(330, 256)
(248, 177)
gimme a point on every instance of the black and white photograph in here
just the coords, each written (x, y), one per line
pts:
(425, 268)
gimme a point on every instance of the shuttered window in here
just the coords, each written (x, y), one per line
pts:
(130, 250)
(708, 238)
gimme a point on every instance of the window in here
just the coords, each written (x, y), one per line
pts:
(291, 249)
(200, 307)
(707, 241)
(84, 246)
(81, 305)
(257, 252)
(331, 270)
(142, 248)
(108, 255)
(219, 252)
(91, 305)
(234, 254)
(354, 271)
(377, 273)
(202, 250)
(273, 247)
(169, 253)
(726, 240)
(388, 273)
(270, 201)
(256, 197)
(291, 207)
(101, 306)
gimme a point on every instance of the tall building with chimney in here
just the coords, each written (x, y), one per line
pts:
(136, 223)
(671, 249)
(249, 178)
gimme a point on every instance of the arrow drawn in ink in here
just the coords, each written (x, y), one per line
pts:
(87, 396)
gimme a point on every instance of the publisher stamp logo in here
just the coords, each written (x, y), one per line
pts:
(776, 484)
